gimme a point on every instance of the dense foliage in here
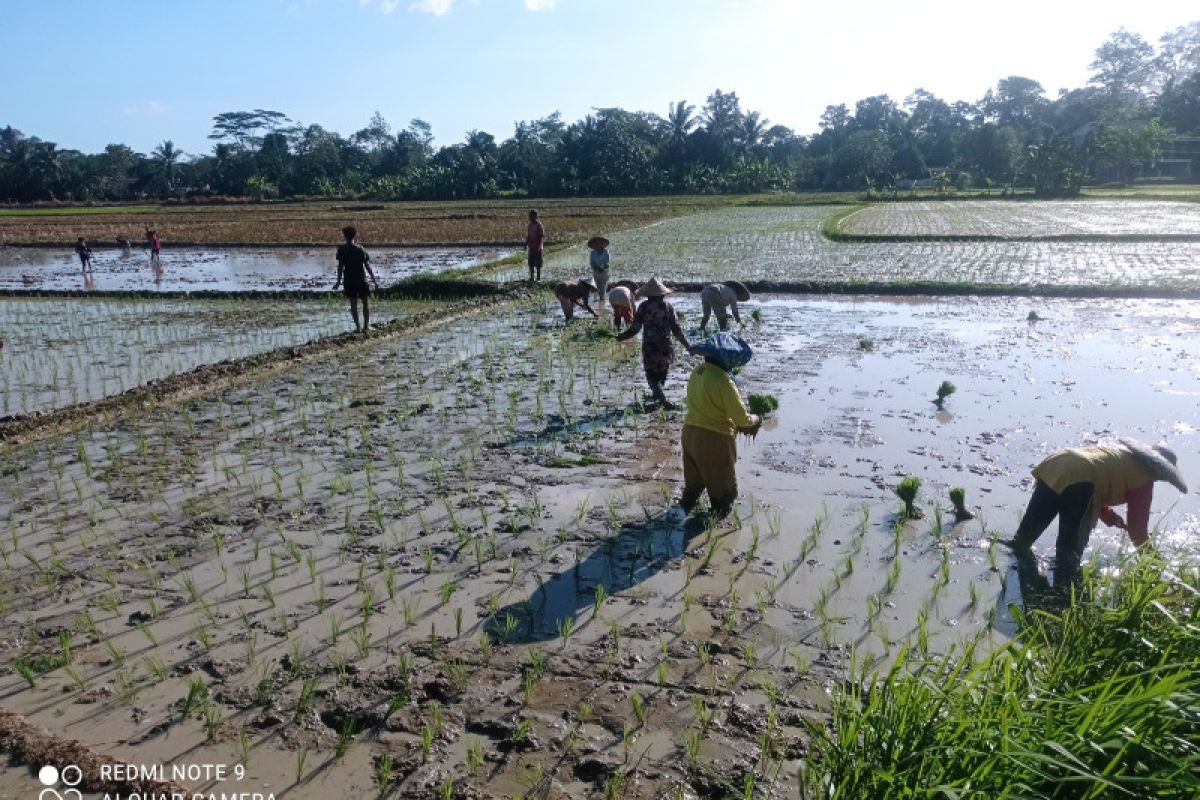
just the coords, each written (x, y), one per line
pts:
(1114, 129)
(1097, 698)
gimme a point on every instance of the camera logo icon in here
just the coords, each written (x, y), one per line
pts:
(69, 776)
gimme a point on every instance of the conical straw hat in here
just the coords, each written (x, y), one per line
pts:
(654, 288)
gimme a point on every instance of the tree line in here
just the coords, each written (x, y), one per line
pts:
(1137, 98)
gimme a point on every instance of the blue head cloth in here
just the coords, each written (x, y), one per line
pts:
(727, 350)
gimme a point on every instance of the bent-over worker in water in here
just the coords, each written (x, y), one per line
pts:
(715, 413)
(1079, 485)
(716, 297)
(622, 298)
(353, 266)
(570, 295)
(655, 318)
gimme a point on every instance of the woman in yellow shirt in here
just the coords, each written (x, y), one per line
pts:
(1080, 484)
(715, 413)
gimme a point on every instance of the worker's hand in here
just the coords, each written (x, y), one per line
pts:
(1111, 518)
(752, 429)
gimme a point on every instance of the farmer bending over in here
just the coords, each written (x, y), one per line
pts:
(353, 266)
(623, 298)
(717, 296)
(656, 319)
(715, 413)
(1080, 484)
(575, 294)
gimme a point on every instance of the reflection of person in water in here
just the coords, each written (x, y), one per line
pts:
(1079, 485)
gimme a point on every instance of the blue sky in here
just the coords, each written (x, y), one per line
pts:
(85, 73)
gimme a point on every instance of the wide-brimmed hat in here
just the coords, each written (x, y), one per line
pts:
(727, 350)
(739, 290)
(653, 288)
(1159, 460)
(597, 243)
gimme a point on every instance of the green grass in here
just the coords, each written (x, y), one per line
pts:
(1100, 700)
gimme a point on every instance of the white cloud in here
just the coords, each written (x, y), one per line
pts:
(540, 5)
(435, 7)
(151, 109)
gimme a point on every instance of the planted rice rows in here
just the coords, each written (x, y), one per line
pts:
(785, 244)
(59, 352)
(1024, 219)
(365, 544)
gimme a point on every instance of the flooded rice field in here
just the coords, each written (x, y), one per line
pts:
(452, 565)
(62, 351)
(190, 269)
(785, 244)
(1026, 219)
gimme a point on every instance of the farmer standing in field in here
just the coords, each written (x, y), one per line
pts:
(656, 319)
(1080, 484)
(715, 413)
(85, 254)
(353, 266)
(716, 296)
(535, 241)
(598, 261)
(155, 244)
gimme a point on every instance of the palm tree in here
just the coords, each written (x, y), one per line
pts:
(752, 127)
(681, 119)
(166, 158)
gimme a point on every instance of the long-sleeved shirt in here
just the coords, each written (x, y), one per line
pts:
(598, 259)
(713, 402)
(1116, 475)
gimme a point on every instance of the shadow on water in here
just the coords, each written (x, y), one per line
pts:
(558, 428)
(1034, 590)
(621, 561)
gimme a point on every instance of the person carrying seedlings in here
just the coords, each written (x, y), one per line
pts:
(353, 266)
(535, 241)
(1079, 485)
(656, 319)
(715, 414)
(575, 294)
(85, 254)
(716, 297)
(598, 261)
(622, 298)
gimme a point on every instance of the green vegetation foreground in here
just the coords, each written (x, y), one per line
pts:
(1100, 700)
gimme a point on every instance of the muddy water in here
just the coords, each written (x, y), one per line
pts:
(213, 269)
(372, 522)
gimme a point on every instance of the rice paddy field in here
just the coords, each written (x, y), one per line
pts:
(785, 245)
(1026, 220)
(206, 270)
(447, 561)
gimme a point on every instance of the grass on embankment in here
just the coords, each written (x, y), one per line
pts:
(1101, 700)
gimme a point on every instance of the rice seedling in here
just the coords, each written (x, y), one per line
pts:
(638, 703)
(958, 497)
(762, 404)
(944, 390)
(907, 490)
(474, 755)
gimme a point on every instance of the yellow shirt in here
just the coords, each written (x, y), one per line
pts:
(713, 402)
(1114, 471)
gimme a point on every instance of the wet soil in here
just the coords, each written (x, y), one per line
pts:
(190, 269)
(451, 562)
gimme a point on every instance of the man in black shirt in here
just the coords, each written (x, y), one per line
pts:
(353, 266)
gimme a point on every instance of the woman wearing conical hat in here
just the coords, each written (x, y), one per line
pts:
(656, 319)
(1079, 485)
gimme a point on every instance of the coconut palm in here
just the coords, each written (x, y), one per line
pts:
(680, 120)
(165, 159)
